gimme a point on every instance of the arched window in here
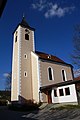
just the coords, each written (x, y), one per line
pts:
(50, 74)
(64, 75)
(25, 56)
(25, 73)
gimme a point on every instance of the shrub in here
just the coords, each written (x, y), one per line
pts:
(3, 102)
(24, 107)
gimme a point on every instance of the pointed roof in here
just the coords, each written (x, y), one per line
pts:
(2, 6)
(25, 24)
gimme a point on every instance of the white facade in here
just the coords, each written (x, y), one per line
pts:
(65, 98)
(16, 62)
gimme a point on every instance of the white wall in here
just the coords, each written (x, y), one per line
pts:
(66, 98)
(15, 89)
(35, 77)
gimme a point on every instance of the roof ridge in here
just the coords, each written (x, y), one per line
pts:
(44, 53)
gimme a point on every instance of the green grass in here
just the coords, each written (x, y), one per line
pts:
(66, 107)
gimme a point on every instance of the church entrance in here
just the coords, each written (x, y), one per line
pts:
(49, 96)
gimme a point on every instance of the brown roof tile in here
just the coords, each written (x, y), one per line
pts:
(47, 87)
(78, 84)
(77, 78)
(49, 57)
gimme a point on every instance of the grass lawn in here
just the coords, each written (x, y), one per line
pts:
(67, 107)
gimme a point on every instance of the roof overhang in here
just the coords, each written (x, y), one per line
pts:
(30, 28)
(69, 82)
(2, 5)
(44, 57)
(55, 62)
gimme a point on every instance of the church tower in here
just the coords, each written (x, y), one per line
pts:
(38, 76)
(23, 44)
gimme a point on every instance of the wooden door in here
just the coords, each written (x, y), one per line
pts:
(49, 96)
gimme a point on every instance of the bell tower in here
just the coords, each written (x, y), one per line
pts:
(23, 45)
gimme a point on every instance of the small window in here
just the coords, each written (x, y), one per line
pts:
(27, 31)
(26, 36)
(55, 93)
(64, 75)
(61, 93)
(50, 73)
(25, 74)
(25, 56)
(67, 91)
(16, 36)
(49, 56)
(16, 39)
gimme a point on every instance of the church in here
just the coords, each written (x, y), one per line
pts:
(38, 76)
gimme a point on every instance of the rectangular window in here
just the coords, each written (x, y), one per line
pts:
(55, 93)
(16, 36)
(16, 39)
(61, 93)
(67, 91)
(26, 36)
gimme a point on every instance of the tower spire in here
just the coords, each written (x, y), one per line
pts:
(23, 15)
(24, 23)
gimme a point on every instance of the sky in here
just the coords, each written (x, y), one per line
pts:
(54, 22)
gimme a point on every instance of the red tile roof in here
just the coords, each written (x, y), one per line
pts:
(69, 82)
(77, 78)
(78, 84)
(49, 57)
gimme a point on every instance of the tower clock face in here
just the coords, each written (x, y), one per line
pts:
(27, 31)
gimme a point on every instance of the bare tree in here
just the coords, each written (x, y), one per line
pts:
(8, 77)
(76, 52)
(76, 73)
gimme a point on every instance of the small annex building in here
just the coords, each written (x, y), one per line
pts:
(38, 76)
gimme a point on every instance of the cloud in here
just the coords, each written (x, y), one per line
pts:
(6, 74)
(51, 9)
(40, 5)
(55, 10)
